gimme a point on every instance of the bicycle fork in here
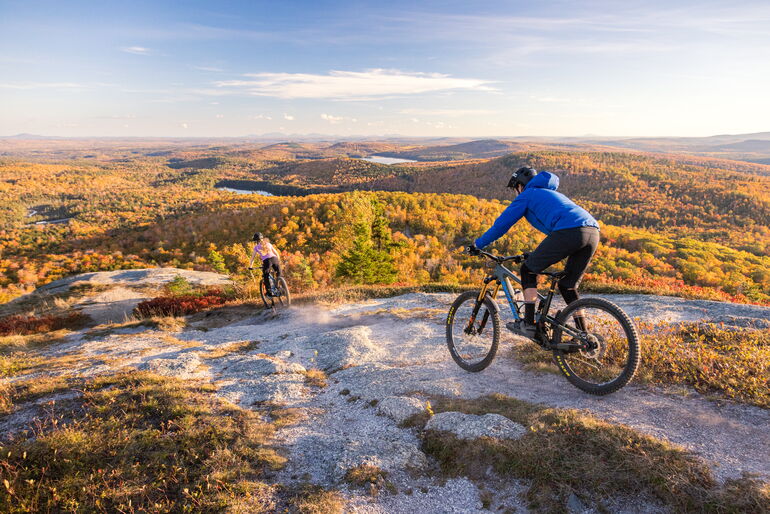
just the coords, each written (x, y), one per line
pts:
(479, 301)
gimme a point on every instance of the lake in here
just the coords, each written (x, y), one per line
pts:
(52, 222)
(244, 191)
(379, 159)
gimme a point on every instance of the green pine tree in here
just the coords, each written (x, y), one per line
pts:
(368, 259)
(217, 262)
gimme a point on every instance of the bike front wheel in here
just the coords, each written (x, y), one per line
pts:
(283, 292)
(611, 353)
(473, 340)
(269, 301)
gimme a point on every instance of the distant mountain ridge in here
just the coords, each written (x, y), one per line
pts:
(483, 148)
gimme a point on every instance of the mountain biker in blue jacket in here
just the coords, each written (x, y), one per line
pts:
(572, 233)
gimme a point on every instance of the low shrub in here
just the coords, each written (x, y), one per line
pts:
(182, 305)
(26, 325)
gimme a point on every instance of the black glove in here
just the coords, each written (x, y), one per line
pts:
(472, 249)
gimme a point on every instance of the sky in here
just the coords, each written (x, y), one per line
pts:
(414, 68)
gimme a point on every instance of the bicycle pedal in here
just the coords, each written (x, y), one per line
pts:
(522, 329)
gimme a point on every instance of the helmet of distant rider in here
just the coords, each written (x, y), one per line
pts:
(257, 237)
(522, 176)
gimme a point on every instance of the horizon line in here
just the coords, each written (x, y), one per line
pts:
(29, 136)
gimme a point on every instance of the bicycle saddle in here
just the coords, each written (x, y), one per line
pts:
(554, 274)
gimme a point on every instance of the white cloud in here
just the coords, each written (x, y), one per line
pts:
(262, 117)
(288, 117)
(219, 116)
(332, 119)
(354, 85)
(446, 112)
(116, 117)
(550, 99)
(137, 50)
(44, 85)
(183, 125)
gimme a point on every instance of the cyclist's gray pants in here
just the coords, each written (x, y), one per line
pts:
(577, 245)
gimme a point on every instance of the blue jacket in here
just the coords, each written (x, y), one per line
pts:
(545, 208)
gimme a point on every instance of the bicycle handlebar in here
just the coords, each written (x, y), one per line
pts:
(518, 259)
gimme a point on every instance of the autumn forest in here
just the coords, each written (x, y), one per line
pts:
(683, 225)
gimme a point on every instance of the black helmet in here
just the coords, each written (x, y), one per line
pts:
(257, 236)
(522, 176)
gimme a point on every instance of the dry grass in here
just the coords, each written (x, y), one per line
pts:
(168, 323)
(316, 378)
(229, 349)
(14, 343)
(732, 363)
(143, 443)
(364, 474)
(316, 500)
(163, 323)
(19, 363)
(27, 325)
(169, 339)
(567, 451)
(21, 392)
(372, 477)
(284, 417)
(45, 304)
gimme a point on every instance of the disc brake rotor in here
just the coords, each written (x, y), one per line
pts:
(598, 347)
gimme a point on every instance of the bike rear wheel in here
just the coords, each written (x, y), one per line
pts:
(614, 354)
(473, 345)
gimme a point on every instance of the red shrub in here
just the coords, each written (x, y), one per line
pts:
(178, 305)
(25, 325)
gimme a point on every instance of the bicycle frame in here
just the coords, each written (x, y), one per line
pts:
(502, 278)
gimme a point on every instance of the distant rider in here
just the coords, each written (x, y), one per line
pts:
(572, 233)
(270, 258)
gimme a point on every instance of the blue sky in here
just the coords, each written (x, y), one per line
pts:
(450, 68)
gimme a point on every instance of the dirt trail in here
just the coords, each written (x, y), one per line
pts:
(395, 347)
(396, 357)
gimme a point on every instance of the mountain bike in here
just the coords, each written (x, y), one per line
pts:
(594, 343)
(278, 290)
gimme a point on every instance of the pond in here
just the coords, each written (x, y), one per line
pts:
(244, 191)
(380, 159)
(52, 222)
